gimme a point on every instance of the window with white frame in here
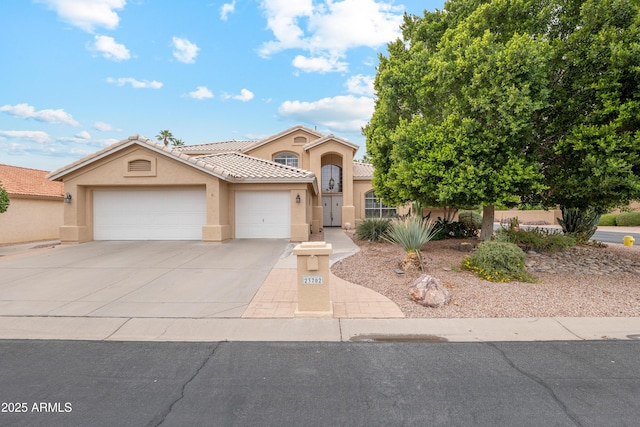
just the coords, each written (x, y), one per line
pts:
(288, 159)
(374, 208)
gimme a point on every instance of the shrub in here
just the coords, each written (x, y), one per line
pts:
(579, 223)
(373, 229)
(498, 262)
(411, 233)
(471, 218)
(454, 230)
(608, 219)
(538, 239)
(628, 219)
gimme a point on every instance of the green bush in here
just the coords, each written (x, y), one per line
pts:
(471, 218)
(538, 239)
(498, 262)
(628, 219)
(608, 219)
(373, 229)
(454, 230)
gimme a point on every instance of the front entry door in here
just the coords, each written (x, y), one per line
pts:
(332, 211)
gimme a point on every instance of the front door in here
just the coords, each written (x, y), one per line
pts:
(332, 211)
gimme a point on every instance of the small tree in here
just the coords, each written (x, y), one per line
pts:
(4, 199)
(177, 142)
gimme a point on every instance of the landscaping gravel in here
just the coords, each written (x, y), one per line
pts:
(584, 281)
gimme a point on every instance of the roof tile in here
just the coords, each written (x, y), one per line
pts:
(29, 182)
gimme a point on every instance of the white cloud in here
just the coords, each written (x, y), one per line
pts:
(226, 9)
(341, 113)
(329, 28)
(244, 96)
(202, 92)
(26, 135)
(103, 127)
(319, 64)
(184, 50)
(361, 85)
(136, 84)
(83, 135)
(87, 14)
(110, 49)
(27, 111)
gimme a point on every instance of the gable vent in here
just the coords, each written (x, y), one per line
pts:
(139, 166)
(299, 140)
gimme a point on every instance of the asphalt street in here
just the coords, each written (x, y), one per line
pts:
(78, 383)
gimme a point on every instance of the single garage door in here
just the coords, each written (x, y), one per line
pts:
(149, 214)
(263, 214)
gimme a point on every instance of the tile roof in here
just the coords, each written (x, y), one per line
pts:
(29, 182)
(362, 171)
(214, 147)
(230, 166)
(243, 167)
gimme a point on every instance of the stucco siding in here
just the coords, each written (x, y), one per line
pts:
(29, 219)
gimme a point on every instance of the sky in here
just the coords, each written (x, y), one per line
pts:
(79, 75)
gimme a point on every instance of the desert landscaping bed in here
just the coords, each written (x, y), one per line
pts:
(584, 282)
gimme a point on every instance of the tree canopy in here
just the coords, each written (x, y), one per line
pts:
(489, 102)
(166, 136)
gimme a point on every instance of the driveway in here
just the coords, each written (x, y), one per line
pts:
(137, 279)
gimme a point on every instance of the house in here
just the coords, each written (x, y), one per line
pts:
(36, 205)
(288, 185)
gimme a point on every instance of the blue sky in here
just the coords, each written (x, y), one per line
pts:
(78, 75)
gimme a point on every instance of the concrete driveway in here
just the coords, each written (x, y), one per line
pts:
(137, 279)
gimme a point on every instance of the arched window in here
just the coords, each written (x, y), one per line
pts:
(287, 159)
(373, 208)
(331, 179)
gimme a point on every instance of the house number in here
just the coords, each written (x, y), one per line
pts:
(312, 280)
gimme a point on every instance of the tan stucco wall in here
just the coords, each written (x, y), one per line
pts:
(548, 217)
(31, 219)
(285, 144)
(110, 173)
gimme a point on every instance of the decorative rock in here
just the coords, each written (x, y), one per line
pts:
(428, 292)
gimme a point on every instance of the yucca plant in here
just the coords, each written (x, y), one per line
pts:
(411, 233)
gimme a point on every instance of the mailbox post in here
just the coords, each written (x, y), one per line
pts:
(313, 279)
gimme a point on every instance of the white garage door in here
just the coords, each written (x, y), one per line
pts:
(263, 214)
(149, 214)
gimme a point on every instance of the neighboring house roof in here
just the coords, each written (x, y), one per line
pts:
(29, 182)
(214, 147)
(362, 171)
(231, 166)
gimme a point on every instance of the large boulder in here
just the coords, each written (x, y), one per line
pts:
(426, 290)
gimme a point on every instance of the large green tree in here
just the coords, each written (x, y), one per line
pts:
(593, 122)
(453, 123)
(493, 102)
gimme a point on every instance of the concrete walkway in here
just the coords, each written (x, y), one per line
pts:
(277, 297)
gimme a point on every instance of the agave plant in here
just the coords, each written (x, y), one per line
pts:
(412, 233)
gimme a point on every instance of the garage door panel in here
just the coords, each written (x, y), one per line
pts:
(149, 214)
(263, 214)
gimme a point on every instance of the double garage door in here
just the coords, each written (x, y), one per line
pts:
(180, 214)
(149, 214)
